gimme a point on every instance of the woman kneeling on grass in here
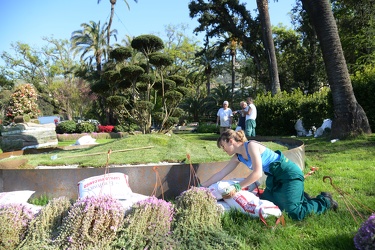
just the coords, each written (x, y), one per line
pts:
(285, 180)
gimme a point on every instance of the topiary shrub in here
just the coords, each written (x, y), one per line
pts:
(67, 127)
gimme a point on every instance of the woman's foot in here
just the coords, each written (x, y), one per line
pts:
(334, 204)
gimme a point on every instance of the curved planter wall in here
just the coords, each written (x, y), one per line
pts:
(175, 178)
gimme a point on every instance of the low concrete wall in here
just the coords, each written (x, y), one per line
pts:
(175, 178)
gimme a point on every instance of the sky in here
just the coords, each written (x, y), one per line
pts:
(28, 21)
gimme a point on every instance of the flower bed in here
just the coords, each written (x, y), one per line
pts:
(100, 222)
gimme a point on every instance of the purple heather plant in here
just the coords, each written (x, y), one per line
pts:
(44, 227)
(197, 223)
(91, 223)
(365, 237)
(14, 220)
(147, 226)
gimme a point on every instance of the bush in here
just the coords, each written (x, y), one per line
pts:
(364, 88)
(85, 127)
(105, 128)
(66, 127)
(278, 114)
(208, 128)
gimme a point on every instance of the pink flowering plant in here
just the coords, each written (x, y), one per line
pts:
(23, 102)
(92, 223)
(14, 220)
(365, 237)
(147, 226)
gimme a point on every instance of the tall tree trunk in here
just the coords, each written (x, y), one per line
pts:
(349, 117)
(269, 45)
(207, 72)
(113, 3)
(233, 54)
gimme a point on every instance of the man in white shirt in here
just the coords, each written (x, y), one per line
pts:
(224, 116)
(251, 116)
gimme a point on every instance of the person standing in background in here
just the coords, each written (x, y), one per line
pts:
(242, 116)
(251, 116)
(224, 117)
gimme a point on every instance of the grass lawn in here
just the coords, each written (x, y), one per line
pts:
(350, 164)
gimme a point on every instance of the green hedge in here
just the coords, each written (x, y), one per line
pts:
(277, 115)
(364, 89)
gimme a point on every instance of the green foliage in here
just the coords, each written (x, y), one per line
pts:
(121, 53)
(278, 114)
(208, 128)
(92, 223)
(147, 44)
(66, 127)
(85, 127)
(23, 102)
(364, 89)
(147, 226)
(14, 220)
(44, 228)
(40, 201)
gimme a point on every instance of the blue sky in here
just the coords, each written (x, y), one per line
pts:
(28, 21)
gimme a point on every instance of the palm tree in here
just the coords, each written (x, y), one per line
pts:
(269, 45)
(92, 39)
(349, 117)
(113, 3)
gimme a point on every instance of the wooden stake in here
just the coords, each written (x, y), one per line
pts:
(114, 151)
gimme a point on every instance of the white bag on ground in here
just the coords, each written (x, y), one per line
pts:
(216, 188)
(85, 140)
(131, 200)
(15, 197)
(247, 202)
(113, 184)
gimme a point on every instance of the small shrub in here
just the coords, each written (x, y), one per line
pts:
(106, 128)
(40, 201)
(66, 127)
(365, 237)
(85, 127)
(92, 223)
(147, 226)
(208, 128)
(198, 222)
(14, 220)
